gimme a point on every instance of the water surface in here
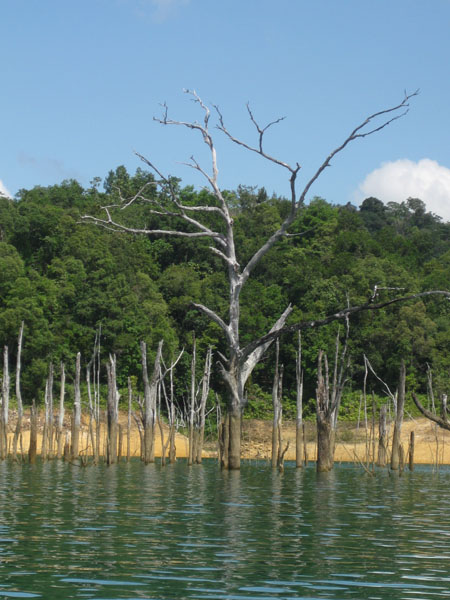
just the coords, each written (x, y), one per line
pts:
(142, 532)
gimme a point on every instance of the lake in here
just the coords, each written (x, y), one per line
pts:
(145, 532)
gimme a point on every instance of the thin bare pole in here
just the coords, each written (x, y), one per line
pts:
(18, 429)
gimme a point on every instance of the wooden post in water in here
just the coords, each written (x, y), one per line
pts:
(150, 401)
(45, 427)
(305, 444)
(60, 425)
(112, 412)
(299, 425)
(276, 404)
(18, 430)
(76, 419)
(411, 451)
(4, 414)
(119, 451)
(200, 433)
(395, 455)
(130, 397)
(191, 409)
(382, 439)
(33, 434)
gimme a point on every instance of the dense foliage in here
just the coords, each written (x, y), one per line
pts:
(65, 278)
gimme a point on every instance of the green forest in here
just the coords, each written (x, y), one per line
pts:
(66, 278)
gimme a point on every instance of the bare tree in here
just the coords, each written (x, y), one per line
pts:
(60, 424)
(441, 420)
(76, 417)
(18, 429)
(397, 450)
(239, 363)
(4, 414)
(170, 406)
(328, 402)
(150, 402)
(112, 411)
(299, 425)
(277, 407)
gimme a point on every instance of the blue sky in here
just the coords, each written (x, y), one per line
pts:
(82, 80)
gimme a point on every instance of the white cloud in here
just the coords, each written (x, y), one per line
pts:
(4, 190)
(396, 181)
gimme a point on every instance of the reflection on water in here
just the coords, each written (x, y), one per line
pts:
(141, 532)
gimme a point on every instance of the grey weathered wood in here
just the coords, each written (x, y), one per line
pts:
(396, 452)
(18, 428)
(60, 425)
(299, 429)
(76, 415)
(240, 362)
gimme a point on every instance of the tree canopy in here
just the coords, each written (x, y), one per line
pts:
(64, 279)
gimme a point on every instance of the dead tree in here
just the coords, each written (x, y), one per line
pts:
(441, 420)
(32, 451)
(76, 417)
(328, 401)
(382, 438)
(60, 425)
(169, 399)
(150, 402)
(277, 407)
(191, 403)
(201, 412)
(240, 361)
(4, 414)
(93, 389)
(299, 428)
(18, 429)
(397, 451)
(130, 399)
(112, 411)
(47, 433)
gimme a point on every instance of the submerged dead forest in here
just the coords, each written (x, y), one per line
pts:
(78, 288)
(184, 302)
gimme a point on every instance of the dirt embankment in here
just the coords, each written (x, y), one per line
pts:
(432, 444)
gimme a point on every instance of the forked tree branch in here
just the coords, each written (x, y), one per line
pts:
(341, 314)
(443, 423)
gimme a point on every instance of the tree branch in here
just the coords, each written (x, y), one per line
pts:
(341, 314)
(214, 317)
(252, 358)
(443, 423)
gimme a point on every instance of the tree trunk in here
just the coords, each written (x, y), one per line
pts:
(112, 412)
(202, 408)
(234, 442)
(299, 438)
(150, 399)
(33, 435)
(50, 413)
(60, 432)
(411, 452)
(4, 416)
(382, 441)
(395, 455)
(18, 430)
(325, 445)
(76, 418)
(191, 409)
(276, 407)
(130, 397)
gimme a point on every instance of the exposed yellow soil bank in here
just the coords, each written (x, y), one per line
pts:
(432, 445)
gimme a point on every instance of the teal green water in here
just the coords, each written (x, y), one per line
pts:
(136, 532)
